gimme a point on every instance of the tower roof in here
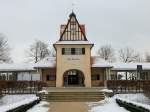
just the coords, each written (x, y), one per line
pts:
(73, 31)
(72, 14)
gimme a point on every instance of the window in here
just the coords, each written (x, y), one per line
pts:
(73, 51)
(66, 51)
(50, 77)
(63, 50)
(83, 50)
(96, 77)
(78, 51)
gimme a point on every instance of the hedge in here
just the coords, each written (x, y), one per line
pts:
(131, 107)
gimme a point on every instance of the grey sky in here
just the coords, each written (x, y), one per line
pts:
(117, 22)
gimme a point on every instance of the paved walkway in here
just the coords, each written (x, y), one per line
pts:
(68, 107)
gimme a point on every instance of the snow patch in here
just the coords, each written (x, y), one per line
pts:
(107, 90)
(9, 102)
(107, 105)
(43, 91)
(136, 99)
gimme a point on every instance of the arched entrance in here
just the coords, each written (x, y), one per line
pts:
(73, 78)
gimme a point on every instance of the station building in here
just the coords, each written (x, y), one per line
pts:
(73, 65)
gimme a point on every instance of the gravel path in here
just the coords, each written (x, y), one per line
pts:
(68, 107)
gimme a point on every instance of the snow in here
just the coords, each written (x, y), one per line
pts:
(48, 62)
(43, 106)
(16, 67)
(12, 101)
(110, 105)
(107, 105)
(99, 62)
(74, 42)
(107, 90)
(130, 66)
(137, 99)
(43, 91)
(25, 67)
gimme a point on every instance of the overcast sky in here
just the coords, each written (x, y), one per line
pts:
(120, 23)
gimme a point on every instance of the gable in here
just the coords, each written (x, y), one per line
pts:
(73, 31)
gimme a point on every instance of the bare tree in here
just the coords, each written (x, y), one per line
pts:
(106, 52)
(52, 52)
(37, 51)
(147, 57)
(127, 55)
(4, 50)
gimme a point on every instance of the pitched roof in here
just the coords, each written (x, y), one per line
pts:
(47, 62)
(73, 30)
(129, 66)
(16, 67)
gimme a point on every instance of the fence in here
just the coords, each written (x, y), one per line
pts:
(123, 86)
(146, 90)
(20, 87)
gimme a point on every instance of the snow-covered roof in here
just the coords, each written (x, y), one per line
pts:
(16, 67)
(99, 62)
(130, 66)
(48, 62)
(74, 42)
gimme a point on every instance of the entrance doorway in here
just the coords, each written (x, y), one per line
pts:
(73, 78)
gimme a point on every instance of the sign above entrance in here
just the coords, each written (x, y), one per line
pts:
(73, 59)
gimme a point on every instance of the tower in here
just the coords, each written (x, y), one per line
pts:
(73, 54)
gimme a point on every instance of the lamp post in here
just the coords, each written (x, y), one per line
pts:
(139, 70)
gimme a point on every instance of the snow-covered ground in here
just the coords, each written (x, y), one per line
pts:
(12, 101)
(110, 105)
(107, 105)
(139, 98)
(136, 99)
(43, 106)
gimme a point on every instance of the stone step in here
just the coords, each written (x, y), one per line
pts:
(75, 92)
(73, 95)
(75, 99)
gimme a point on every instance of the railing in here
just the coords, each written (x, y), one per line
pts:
(123, 86)
(21, 87)
(146, 90)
